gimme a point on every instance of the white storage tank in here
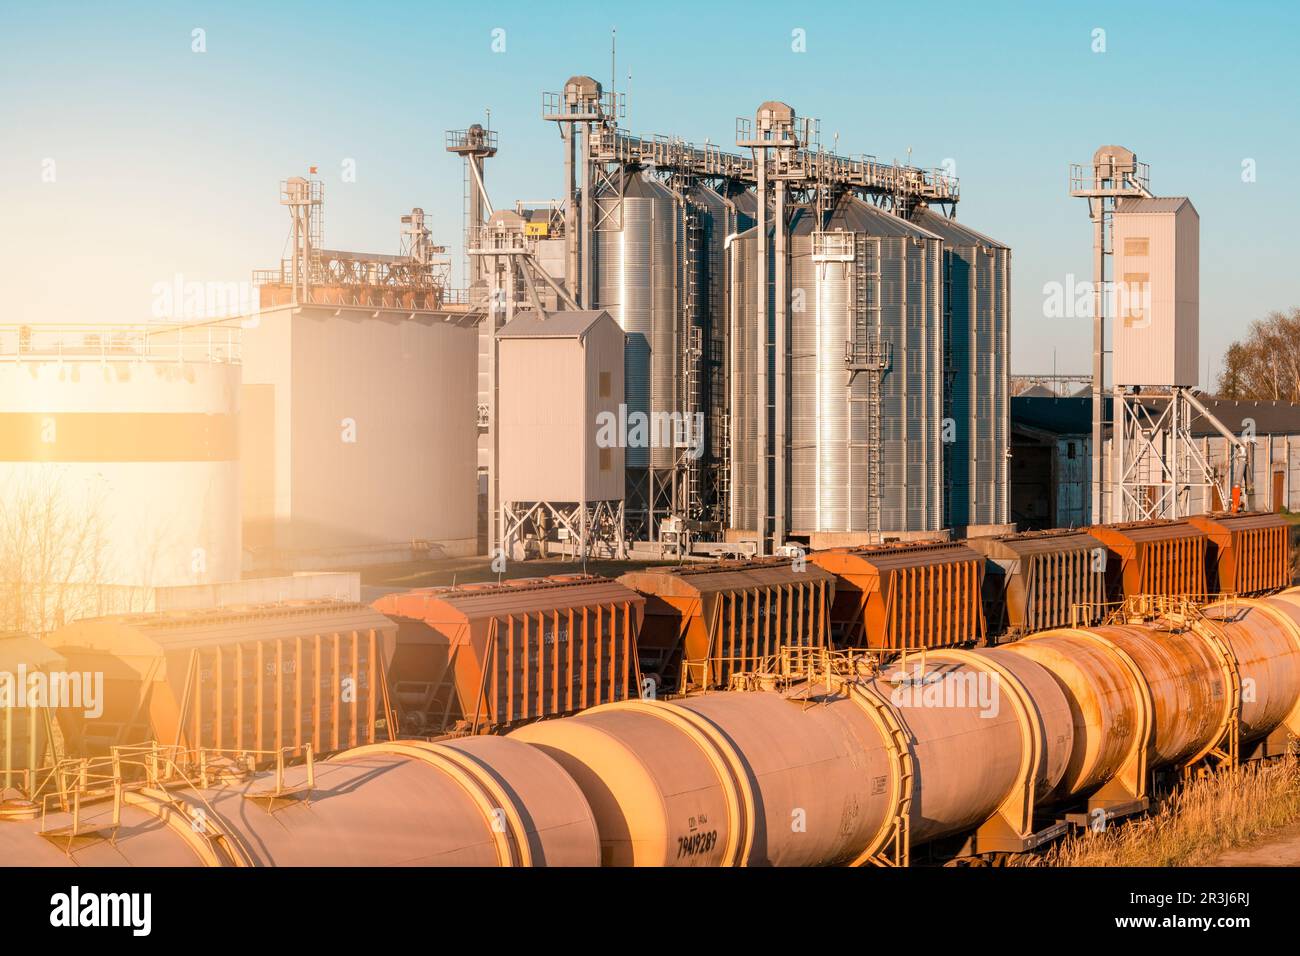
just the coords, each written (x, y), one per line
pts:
(359, 436)
(1155, 314)
(119, 460)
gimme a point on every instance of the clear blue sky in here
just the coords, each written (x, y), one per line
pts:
(168, 161)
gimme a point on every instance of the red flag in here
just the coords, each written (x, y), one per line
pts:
(312, 170)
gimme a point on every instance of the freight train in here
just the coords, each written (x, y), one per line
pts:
(489, 657)
(842, 760)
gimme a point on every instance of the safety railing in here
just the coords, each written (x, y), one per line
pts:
(215, 342)
(73, 784)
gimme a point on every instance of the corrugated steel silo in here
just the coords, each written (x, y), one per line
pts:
(870, 282)
(744, 398)
(636, 282)
(977, 280)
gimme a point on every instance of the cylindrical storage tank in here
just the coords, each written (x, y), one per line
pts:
(636, 272)
(870, 284)
(719, 779)
(727, 779)
(977, 275)
(983, 723)
(1264, 636)
(129, 436)
(479, 801)
(719, 218)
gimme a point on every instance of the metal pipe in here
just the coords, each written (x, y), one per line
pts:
(780, 456)
(760, 366)
(733, 377)
(585, 230)
(1098, 347)
(569, 132)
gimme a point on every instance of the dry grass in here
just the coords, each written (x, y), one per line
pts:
(1200, 821)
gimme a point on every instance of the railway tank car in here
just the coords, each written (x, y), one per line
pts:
(979, 742)
(821, 757)
(482, 801)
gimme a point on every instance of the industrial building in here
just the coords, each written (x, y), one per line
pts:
(119, 461)
(823, 346)
(561, 383)
(1050, 458)
(358, 436)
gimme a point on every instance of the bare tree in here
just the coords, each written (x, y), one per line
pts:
(1265, 365)
(51, 551)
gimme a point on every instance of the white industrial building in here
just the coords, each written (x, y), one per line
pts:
(561, 388)
(358, 439)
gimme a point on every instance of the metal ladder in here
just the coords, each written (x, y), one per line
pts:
(868, 352)
(949, 382)
(693, 342)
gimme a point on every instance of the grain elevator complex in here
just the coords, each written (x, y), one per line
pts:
(769, 386)
(815, 350)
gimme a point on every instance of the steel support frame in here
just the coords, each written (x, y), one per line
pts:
(1158, 461)
(596, 528)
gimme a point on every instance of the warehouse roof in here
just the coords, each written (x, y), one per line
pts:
(572, 324)
(1158, 204)
(1073, 416)
(1276, 418)
(1060, 416)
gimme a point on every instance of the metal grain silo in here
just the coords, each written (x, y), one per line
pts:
(744, 400)
(977, 280)
(636, 282)
(866, 373)
(707, 307)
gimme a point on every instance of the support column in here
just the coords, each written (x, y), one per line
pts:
(781, 407)
(1098, 355)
